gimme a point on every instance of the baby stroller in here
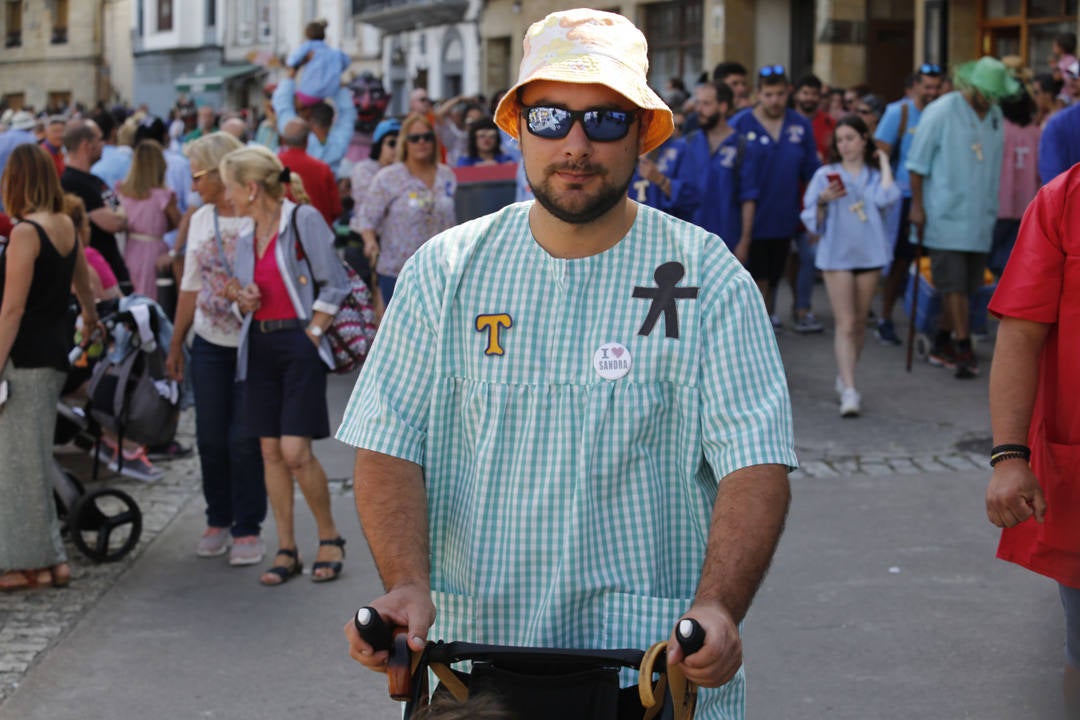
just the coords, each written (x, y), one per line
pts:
(129, 395)
(928, 312)
(539, 683)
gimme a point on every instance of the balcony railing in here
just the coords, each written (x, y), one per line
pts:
(399, 15)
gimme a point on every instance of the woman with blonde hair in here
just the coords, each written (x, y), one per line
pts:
(289, 285)
(407, 204)
(232, 469)
(41, 260)
(151, 211)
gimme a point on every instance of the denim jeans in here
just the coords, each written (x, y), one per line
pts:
(232, 467)
(804, 281)
(386, 287)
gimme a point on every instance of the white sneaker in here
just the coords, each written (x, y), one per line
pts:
(214, 542)
(849, 403)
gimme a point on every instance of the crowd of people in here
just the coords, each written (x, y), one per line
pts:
(743, 181)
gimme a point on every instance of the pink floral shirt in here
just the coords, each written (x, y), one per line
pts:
(406, 213)
(205, 274)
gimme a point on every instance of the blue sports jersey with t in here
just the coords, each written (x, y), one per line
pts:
(725, 178)
(685, 197)
(783, 163)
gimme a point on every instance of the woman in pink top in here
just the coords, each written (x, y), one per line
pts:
(151, 211)
(102, 280)
(1019, 176)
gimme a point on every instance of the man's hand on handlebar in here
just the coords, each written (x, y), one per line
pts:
(407, 606)
(720, 657)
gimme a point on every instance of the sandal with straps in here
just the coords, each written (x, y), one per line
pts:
(283, 572)
(334, 566)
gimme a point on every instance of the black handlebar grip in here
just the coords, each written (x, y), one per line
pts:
(372, 628)
(691, 636)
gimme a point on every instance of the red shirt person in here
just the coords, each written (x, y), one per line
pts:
(1035, 402)
(318, 178)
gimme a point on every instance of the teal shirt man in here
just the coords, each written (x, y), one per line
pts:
(959, 157)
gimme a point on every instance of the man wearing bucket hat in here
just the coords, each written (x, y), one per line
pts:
(954, 166)
(574, 428)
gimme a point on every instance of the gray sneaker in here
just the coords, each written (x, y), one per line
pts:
(808, 324)
(214, 542)
(247, 550)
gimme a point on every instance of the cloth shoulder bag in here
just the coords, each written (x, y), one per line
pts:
(353, 329)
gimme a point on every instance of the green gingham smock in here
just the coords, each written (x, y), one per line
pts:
(566, 509)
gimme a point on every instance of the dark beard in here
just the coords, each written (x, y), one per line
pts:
(808, 109)
(609, 197)
(708, 123)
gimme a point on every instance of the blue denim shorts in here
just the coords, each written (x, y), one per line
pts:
(286, 386)
(1070, 600)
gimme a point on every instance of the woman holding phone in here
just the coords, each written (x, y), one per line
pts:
(843, 207)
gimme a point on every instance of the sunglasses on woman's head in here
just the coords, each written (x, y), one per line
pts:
(420, 137)
(554, 123)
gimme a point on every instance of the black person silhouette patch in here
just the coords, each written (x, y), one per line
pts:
(664, 298)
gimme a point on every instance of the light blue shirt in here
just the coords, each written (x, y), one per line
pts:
(320, 76)
(959, 157)
(9, 141)
(114, 164)
(889, 128)
(572, 450)
(848, 241)
(337, 141)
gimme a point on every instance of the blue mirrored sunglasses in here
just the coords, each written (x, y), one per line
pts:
(554, 123)
(770, 70)
(930, 69)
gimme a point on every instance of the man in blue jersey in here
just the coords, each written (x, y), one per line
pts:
(894, 135)
(783, 142)
(657, 181)
(1059, 146)
(717, 164)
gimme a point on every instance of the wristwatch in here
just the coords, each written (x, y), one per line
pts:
(315, 331)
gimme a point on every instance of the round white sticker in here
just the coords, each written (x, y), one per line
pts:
(612, 361)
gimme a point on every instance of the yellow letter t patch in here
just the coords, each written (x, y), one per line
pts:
(493, 325)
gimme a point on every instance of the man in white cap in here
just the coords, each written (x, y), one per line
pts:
(574, 429)
(21, 131)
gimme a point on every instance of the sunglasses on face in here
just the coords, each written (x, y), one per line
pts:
(863, 111)
(554, 123)
(390, 142)
(771, 70)
(421, 137)
(930, 69)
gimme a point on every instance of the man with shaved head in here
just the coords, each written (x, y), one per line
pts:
(317, 176)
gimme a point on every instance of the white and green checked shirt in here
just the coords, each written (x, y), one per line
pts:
(566, 509)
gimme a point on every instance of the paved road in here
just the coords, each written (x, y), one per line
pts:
(884, 600)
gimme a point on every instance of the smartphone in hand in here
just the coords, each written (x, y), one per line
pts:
(3, 393)
(835, 178)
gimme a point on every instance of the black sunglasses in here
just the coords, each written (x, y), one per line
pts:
(421, 137)
(930, 69)
(770, 70)
(554, 123)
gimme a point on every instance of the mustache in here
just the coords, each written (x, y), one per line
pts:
(578, 167)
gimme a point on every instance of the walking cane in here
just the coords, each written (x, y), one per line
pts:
(915, 297)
